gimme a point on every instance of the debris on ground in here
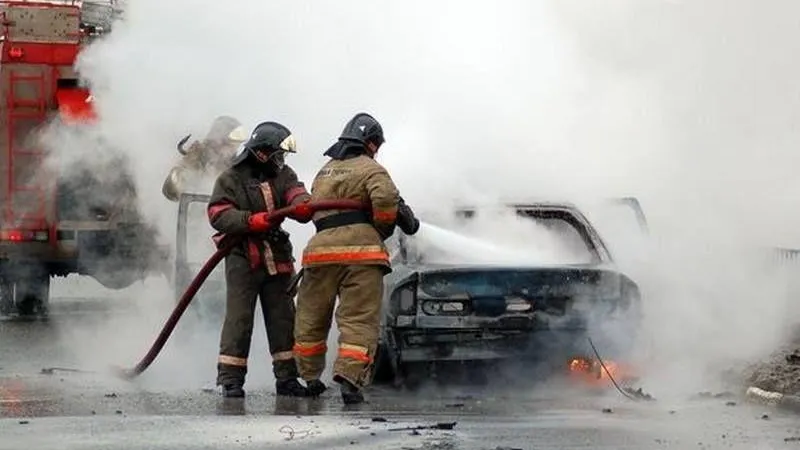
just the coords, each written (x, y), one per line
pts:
(780, 371)
(438, 426)
(52, 370)
(638, 394)
(291, 433)
(710, 395)
(725, 394)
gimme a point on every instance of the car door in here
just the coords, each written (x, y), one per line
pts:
(193, 246)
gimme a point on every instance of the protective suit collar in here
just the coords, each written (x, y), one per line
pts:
(345, 149)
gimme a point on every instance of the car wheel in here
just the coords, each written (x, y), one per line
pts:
(384, 372)
(413, 375)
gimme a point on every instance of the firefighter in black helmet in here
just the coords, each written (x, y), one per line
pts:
(347, 257)
(258, 183)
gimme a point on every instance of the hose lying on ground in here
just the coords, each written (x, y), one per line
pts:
(205, 271)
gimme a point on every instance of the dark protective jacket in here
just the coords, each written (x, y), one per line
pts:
(356, 178)
(242, 190)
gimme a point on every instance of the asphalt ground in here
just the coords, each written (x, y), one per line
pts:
(53, 396)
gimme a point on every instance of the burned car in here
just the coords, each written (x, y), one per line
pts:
(529, 303)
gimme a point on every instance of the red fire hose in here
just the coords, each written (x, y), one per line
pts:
(206, 270)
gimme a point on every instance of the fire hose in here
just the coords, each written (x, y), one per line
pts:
(212, 262)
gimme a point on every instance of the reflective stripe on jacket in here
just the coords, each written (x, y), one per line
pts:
(363, 179)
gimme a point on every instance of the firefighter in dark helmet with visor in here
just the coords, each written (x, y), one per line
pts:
(347, 258)
(257, 183)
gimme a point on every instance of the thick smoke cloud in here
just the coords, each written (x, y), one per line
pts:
(688, 105)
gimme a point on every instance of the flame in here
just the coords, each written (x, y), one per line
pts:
(11, 398)
(590, 371)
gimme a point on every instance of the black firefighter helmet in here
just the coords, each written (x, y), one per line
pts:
(267, 144)
(358, 132)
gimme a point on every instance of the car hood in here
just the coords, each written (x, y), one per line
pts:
(440, 281)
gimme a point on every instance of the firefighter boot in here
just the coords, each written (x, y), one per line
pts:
(286, 379)
(232, 391)
(351, 395)
(290, 387)
(316, 388)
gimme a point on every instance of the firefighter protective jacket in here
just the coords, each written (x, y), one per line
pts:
(239, 192)
(363, 179)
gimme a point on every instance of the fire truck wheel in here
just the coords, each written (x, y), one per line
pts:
(6, 297)
(33, 295)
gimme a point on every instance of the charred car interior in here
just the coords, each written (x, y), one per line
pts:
(469, 313)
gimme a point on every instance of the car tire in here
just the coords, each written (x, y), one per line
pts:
(412, 375)
(383, 372)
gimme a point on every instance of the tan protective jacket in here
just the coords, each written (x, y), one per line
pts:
(359, 178)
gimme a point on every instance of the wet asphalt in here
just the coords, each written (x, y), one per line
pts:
(65, 409)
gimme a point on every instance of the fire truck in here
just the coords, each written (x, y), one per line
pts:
(60, 215)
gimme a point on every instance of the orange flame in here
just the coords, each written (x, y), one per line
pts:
(591, 372)
(11, 397)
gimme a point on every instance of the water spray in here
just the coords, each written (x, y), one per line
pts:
(472, 246)
(224, 249)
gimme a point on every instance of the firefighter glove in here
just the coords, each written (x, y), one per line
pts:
(260, 222)
(406, 220)
(302, 212)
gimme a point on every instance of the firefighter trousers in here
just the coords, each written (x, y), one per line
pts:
(360, 291)
(243, 286)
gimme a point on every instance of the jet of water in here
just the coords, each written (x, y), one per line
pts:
(459, 246)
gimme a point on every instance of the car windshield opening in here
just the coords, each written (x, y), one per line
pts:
(525, 238)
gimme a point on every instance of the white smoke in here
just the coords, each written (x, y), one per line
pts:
(688, 105)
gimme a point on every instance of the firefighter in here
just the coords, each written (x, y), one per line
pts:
(347, 257)
(208, 157)
(258, 182)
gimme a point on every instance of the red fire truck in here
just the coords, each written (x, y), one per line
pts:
(59, 218)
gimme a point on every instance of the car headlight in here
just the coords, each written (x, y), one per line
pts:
(516, 304)
(439, 307)
(404, 299)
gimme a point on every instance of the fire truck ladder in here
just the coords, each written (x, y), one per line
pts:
(30, 109)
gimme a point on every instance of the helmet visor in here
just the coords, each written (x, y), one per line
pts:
(288, 144)
(238, 135)
(266, 154)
